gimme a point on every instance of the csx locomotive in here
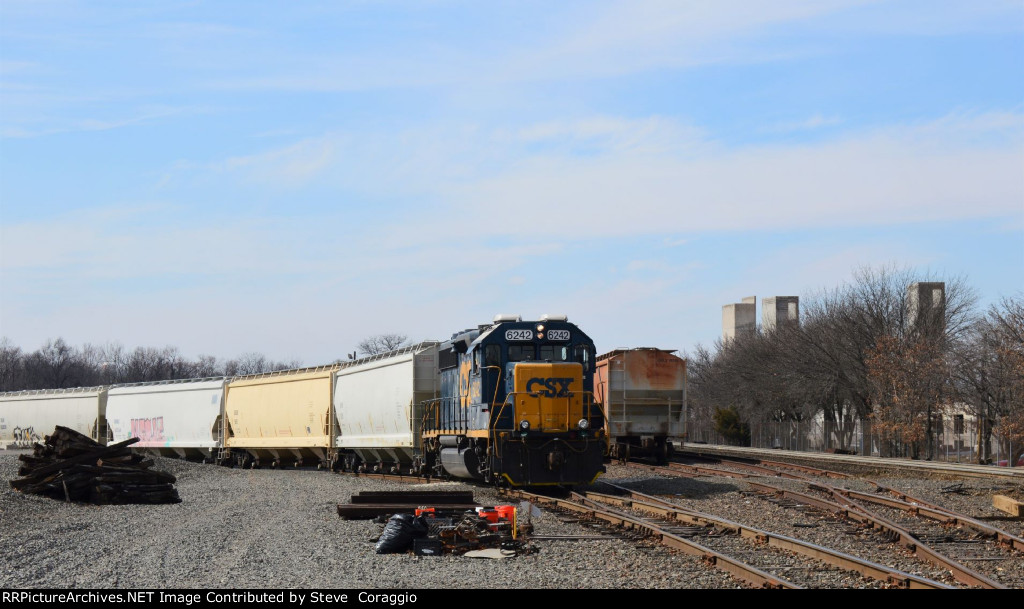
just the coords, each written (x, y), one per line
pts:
(517, 405)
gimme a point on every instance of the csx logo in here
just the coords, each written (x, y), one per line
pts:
(555, 387)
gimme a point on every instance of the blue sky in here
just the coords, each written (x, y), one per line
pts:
(292, 177)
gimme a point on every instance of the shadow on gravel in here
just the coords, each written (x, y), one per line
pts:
(688, 488)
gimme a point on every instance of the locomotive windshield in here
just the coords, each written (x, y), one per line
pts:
(554, 353)
(521, 353)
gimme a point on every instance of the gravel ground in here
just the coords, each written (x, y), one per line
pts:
(278, 528)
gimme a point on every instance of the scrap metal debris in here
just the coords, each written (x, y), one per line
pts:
(431, 523)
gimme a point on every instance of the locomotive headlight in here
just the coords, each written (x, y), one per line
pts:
(583, 424)
(540, 327)
(524, 425)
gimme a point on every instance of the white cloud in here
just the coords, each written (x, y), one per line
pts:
(294, 164)
(656, 176)
(948, 169)
(816, 121)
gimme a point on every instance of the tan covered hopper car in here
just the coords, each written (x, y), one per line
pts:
(280, 417)
(644, 395)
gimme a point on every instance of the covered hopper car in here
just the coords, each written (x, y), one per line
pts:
(172, 418)
(644, 395)
(27, 416)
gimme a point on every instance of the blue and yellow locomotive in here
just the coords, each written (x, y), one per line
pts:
(517, 405)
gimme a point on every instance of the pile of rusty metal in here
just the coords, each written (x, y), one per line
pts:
(431, 523)
(74, 467)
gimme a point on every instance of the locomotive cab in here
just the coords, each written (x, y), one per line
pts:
(517, 405)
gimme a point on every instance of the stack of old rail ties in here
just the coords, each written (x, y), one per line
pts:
(74, 467)
(431, 523)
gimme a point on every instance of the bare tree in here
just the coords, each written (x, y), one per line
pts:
(989, 375)
(12, 366)
(55, 365)
(823, 365)
(382, 343)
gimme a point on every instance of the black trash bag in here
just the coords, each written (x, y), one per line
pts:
(399, 533)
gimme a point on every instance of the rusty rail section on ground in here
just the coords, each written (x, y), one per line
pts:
(740, 570)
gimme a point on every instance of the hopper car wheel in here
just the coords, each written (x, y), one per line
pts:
(661, 453)
(275, 464)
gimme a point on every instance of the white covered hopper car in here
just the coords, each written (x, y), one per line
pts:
(172, 418)
(27, 417)
(363, 413)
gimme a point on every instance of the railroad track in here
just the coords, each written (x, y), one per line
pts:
(883, 495)
(974, 553)
(994, 557)
(668, 534)
(756, 557)
(970, 470)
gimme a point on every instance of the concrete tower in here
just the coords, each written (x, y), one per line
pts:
(926, 306)
(779, 310)
(739, 318)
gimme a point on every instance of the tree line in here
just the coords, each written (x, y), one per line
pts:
(867, 352)
(58, 365)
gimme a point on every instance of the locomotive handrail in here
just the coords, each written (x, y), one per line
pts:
(432, 406)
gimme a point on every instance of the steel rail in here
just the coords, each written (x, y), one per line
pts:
(670, 510)
(961, 573)
(411, 479)
(736, 568)
(852, 510)
(960, 469)
(920, 549)
(908, 503)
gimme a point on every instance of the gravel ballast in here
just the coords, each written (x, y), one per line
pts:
(279, 528)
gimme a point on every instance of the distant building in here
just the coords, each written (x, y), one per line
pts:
(778, 311)
(739, 319)
(926, 306)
